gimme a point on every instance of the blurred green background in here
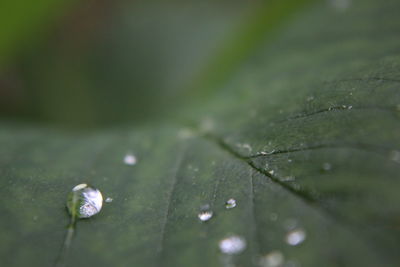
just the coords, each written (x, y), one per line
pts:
(98, 63)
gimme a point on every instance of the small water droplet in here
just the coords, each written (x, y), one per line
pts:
(349, 107)
(273, 259)
(230, 203)
(310, 98)
(130, 159)
(205, 215)
(35, 218)
(290, 160)
(295, 237)
(84, 201)
(271, 172)
(326, 166)
(109, 200)
(232, 245)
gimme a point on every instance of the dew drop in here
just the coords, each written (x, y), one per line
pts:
(273, 259)
(109, 200)
(232, 245)
(205, 215)
(130, 159)
(295, 237)
(84, 201)
(230, 203)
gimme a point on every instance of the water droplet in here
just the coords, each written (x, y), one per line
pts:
(349, 107)
(295, 237)
(326, 166)
(273, 259)
(230, 203)
(205, 215)
(130, 159)
(109, 200)
(290, 160)
(84, 201)
(232, 245)
(271, 172)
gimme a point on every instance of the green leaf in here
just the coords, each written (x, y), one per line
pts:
(303, 136)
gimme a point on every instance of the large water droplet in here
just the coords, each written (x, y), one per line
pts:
(130, 159)
(232, 245)
(230, 203)
(84, 201)
(273, 259)
(295, 237)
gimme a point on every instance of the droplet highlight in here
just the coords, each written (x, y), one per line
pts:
(295, 237)
(232, 245)
(109, 200)
(230, 203)
(84, 201)
(130, 159)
